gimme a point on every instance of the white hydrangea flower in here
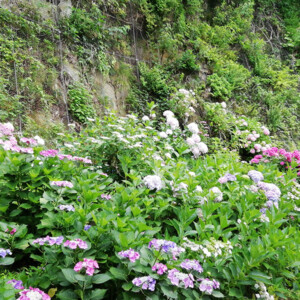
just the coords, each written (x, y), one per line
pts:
(163, 135)
(39, 140)
(223, 104)
(173, 123)
(196, 138)
(153, 182)
(193, 128)
(216, 191)
(199, 189)
(145, 118)
(168, 114)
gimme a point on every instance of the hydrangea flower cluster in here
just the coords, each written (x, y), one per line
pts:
(33, 294)
(12, 232)
(29, 141)
(189, 264)
(176, 277)
(153, 182)
(160, 268)
(66, 207)
(147, 282)
(272, 192)
(166, 247)
(87, 227)
(185, 101)
(49, 240)
(256, 176)
(4, 252)
(17, 284)
(130, 253)
(62, 183)
(280, 154)
(89, 264)
(217, 194)
(106, 197)
(171, 120)
(227, 177)
(73, 244)
(6, 129)
(54, 153)
(207, 286)
(263, 293)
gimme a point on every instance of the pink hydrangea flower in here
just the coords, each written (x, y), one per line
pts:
(131, 254)
(89, 264)
(160, 268)
(73, 244)
(33, 293)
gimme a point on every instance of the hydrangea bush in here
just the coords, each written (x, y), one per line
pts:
(128, 209)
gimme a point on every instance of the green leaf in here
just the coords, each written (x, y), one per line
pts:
(169, 291)
(118, 273)
(70, 275)
(217, 294)
(97, 294)
(127, 286)
(101, 278)
(67, 295)
(260, 276)
(6, 261)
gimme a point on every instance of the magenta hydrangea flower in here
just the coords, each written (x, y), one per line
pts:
(89, 264)
(49, 153)
(160, 268)
(207, 286)
(62, 183)
(33, 294)
(192, 265)
(131, 254)
(147, 282)
(49, 240)
(176, 277)
(17, 284)
(73, 244)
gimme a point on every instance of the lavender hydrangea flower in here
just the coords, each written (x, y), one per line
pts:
(167, 247)
(207, 286)
(17, 284)
(4, 252)
(131, 254)
(192, 265)
(87, 227)
(256, 176)
(160, 268)
(147, 282)
(106, 197)
(272, 192)
(62, 184)
(66, 207)
(227, 177)
(49, 240)
(177, 277)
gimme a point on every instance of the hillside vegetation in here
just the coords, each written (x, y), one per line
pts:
(148, 149)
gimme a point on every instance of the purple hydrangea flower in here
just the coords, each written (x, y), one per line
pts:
(131, 254)
(192, 265)
(272, 192)
(160, 268)
(207, 286)
(17, 284)
(4, 252)
(49, 240)
(226, 178)
(177, 277)
(147, 282)
(87, 227)
(167, 247)
(256, 176)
